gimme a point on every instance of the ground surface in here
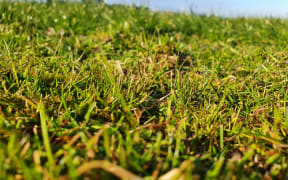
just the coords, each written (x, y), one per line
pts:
(99, 92)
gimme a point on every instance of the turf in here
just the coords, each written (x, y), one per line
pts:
(100, 92)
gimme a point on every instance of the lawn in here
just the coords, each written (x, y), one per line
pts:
(103, 92)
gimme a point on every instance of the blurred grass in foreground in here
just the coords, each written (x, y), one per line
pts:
(101, 91)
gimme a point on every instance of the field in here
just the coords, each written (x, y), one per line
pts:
(103, 92)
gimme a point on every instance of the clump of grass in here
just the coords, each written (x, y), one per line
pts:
(105, 91)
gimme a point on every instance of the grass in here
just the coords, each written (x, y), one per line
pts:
(102, 92)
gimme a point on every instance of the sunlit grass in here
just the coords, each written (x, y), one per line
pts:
(97, 91)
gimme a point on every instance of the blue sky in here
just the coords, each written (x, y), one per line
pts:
(278, 8)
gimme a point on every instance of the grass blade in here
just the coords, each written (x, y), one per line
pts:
(44, 119)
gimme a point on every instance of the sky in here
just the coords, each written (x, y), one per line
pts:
(276, 8)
